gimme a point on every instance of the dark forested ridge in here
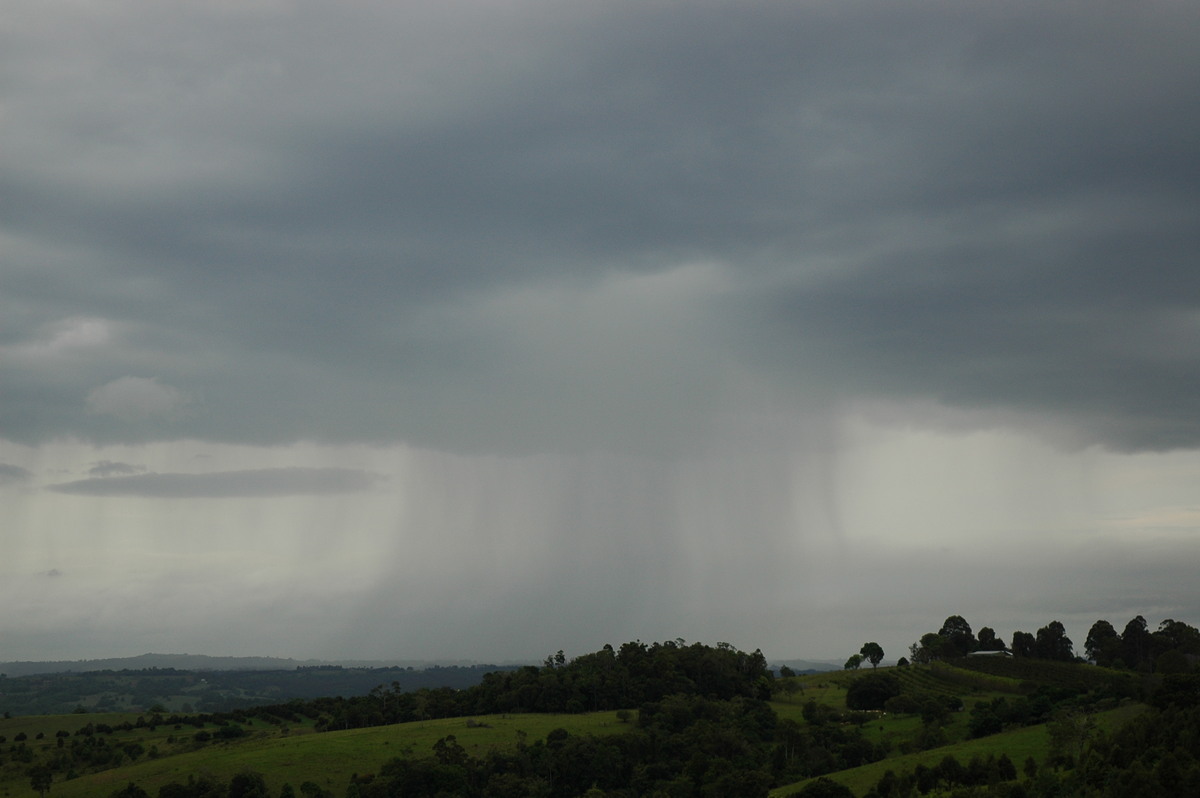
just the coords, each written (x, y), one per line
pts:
(174, 690)
(207, 663)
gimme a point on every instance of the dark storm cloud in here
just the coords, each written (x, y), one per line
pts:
(108, 468)
(1104, 340)
(263, 482)
(11, 474)
(310, 223)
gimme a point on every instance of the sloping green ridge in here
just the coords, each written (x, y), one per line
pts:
(330, 758)
(1049, 672)
(1019, 744)
(942, 679)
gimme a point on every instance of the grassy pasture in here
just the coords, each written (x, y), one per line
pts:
(830, 689)
(1019, 744)
(328, 759)
(295, 753)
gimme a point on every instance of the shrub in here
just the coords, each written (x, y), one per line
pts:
(823, 788)
(872, 691)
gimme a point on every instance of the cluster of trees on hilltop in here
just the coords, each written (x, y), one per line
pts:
(955, 639)
(624, 677)
(1170, 649)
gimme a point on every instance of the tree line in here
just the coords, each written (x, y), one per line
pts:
(1172, 648)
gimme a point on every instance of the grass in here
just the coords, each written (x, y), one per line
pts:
(1019, 744)
(830, 689)
(328, 759)
(296, 754)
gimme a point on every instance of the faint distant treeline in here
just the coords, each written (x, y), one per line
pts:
(172, 690)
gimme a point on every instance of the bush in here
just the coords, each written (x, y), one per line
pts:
(230, 732)
(902, 704)
(823, 788)
(872, 691)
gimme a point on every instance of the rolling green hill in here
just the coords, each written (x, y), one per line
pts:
(699, 727)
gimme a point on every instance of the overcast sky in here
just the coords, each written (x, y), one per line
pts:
(486, 329)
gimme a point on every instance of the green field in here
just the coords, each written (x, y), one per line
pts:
(1019, 744)
(297, 756)
(151, 753)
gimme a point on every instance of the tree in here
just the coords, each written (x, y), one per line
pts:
(988, 640)
(872, 691)
(130, 790)
(873, 652)
(1069, 732)
(248, 784)
(853, 663)
(1172, 661)
(1052, 643)
(1177, 636)
(1023, 645)
(1179, 690)
(1135, 644)
(931, 647)
(824, 788)
(1103, 644)
(1005, 768)
(449, 752)
(40, 779)
(956, 630)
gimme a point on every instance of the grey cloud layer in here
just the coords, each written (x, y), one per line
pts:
(11, 474)
(262, 482)
(108, 468)
(445, 226)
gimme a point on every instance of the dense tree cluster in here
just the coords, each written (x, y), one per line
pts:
(872, 691)
(608, 679)
(992, 717)
(1170, 649)
(947, 776)
(626, 677)
(1173, 648)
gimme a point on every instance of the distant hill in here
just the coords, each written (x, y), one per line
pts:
(807, 665)
(95, 686)
(202, 662)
